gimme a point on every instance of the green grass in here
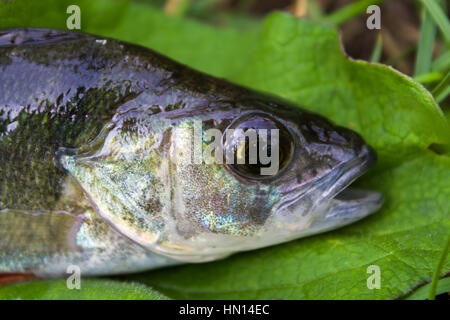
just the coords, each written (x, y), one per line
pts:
(350, 11)
(376, 54)
(425, 46)
(442, 62)
(439, 17)
(442, 90)
(438, 270)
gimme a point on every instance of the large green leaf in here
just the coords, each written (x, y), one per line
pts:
(90, 289)
(302, 61)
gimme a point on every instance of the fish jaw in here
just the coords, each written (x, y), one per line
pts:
(351, 205)
(341, 205)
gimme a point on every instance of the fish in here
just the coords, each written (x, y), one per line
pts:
(107, 164)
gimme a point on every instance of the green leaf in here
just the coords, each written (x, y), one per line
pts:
(442, 90)
(202, 47)
(90, 289)
(438, 270)
(376, 54)
(425, 46)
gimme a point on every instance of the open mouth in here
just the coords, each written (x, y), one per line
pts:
(350, 204)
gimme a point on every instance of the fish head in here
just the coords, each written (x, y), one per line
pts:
(181, 183)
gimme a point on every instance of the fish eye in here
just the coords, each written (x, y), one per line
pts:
(257, 146)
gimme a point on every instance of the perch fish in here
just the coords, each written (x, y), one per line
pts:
(91, 170)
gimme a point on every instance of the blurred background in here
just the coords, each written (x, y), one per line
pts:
(398, 38)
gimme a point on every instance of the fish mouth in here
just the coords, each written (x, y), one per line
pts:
(345, 203)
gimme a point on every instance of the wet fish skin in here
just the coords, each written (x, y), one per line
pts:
(86, 127)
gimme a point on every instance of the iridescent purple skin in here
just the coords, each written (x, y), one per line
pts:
(89, 176)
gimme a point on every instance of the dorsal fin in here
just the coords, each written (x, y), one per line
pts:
(30, 36)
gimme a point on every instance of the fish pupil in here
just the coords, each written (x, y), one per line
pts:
(243, 164)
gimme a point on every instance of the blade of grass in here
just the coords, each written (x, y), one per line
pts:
(422, 292)
(429, 77)
(352, 10)
(376, 54)
(243, 5)
(442, 90)
(442, 62)
(439, 17)
(393, 60)
(437, 271)
(314, 10)
(425, 47)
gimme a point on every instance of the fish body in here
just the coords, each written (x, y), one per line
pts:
(99, 169)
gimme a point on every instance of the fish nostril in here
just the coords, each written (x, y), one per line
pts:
(368, 155)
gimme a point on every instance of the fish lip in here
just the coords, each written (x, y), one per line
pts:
(350, 204)
(340, 205)
(336, 181)
(348, 172)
